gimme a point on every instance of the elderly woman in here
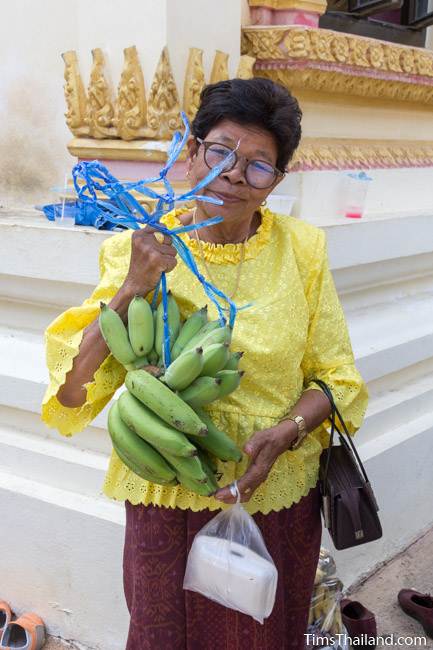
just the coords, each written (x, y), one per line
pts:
(293, 331)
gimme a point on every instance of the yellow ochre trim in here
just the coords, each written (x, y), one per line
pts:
(332, 62)
(318, 6)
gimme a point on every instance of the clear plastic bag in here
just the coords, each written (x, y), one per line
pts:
(230, 564)
(325, 628)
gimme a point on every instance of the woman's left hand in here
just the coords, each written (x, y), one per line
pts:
(263, 448)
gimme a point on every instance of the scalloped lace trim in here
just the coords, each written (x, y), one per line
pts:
(62, 347)
(292, 476)
(225, 253)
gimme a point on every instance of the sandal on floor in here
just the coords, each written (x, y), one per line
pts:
(5, 616)
(26, 633)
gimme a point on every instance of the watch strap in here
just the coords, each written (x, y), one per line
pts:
(302, 430)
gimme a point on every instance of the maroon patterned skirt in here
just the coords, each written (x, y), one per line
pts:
(165, 617)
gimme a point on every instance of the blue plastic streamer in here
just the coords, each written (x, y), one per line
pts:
(120, 209)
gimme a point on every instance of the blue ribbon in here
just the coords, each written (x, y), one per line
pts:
(122, 210)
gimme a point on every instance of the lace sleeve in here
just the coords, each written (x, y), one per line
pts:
(62, 340)
(328, 354)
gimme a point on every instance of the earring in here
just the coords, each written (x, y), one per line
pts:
(187, 174)
(263, 203)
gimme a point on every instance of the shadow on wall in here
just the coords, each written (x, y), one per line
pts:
(33, 154)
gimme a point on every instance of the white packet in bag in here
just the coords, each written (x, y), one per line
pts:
(230, 564)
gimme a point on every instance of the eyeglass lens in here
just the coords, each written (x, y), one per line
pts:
(258, 173)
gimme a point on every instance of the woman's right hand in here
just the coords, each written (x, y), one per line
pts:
(149, 259)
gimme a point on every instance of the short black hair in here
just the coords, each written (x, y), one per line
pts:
(257, 102)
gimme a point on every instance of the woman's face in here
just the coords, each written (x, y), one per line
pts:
(240, 198)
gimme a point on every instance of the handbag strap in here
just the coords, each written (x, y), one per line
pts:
(334, 412)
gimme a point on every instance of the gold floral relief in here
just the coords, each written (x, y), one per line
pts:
(246, 67)
(392, 58)
(194, 82)
(424, 63)
(220, 67)
(340, 49)
(100, 107)
(407, 61)
(359, 53)
(132, 116)
(317, 6)
(131, 109)
(317, 153)
(164, 105)
(75, 95)
(263, 44)
(376, 56)
(297, 44)
(357, 65)
(321, 46)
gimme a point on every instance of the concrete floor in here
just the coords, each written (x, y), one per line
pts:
(412, 568)
(54, 644)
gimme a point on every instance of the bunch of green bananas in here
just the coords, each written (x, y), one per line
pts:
(158, 426)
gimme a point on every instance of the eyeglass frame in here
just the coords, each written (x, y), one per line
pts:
(277, 172)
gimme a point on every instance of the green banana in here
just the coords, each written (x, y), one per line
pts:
(210, 469)
(230, 380)
(218, 335)
(152, 429)
(204, 489)
(233, 362)
(115, 335)
(190, 467)
(140, 326)
(153, 355)
(215, 357)
(182, 372)
(173, 317)
(207, 462)
(137, 454)
(140, 362)
(202, 391)
(195, 341)
(190, 328)
(217, 442)
(135, 467)
(162, 401)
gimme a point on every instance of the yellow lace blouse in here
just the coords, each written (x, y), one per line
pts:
(294, 330)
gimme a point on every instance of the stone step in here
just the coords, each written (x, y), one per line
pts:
(94, 505)
(51, 462)
(402, 403)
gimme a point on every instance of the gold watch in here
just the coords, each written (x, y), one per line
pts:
(302, 430)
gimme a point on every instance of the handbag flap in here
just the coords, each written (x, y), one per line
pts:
(351, 507)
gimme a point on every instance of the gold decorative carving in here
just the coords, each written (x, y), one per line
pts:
(313, 153)
(220, 68)
(295, 56)
(164, 104)
(131, 113)
(323, 153)
(130, 116)
(246, 67)
(194, 82)
(137, 150)
(262, 43)
(75, 95)
(100, 109)
(318, 6)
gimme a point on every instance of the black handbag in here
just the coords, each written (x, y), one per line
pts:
(348, 504)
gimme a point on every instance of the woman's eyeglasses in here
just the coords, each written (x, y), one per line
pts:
(258, 173)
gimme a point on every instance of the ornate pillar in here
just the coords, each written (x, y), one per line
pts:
(287, 12)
